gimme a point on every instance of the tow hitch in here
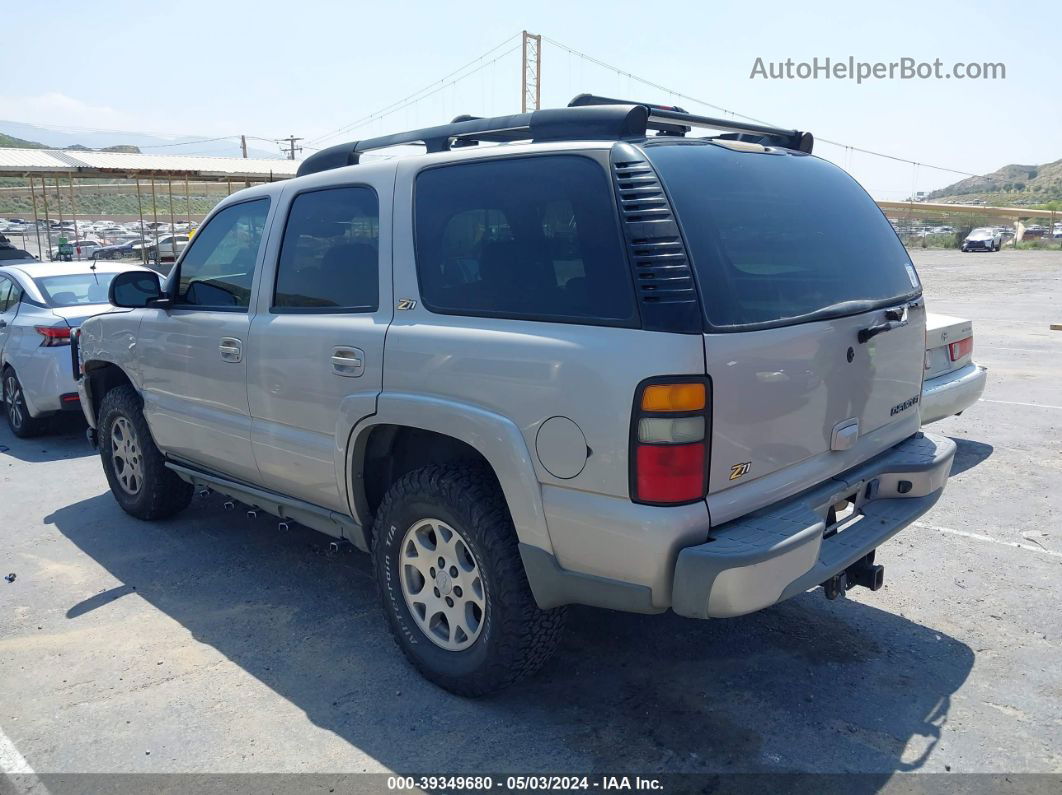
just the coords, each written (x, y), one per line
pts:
(863, 573)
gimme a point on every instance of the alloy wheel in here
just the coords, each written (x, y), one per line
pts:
(126, 458)
(442, 585)
(13, 392)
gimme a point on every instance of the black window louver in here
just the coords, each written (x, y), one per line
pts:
(662, 274)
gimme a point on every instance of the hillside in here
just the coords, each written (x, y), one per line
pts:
(1010, 186)
(54, 138)
(11, 142)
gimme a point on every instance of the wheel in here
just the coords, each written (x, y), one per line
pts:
(135, 468)
(18, 417)
(453, 585)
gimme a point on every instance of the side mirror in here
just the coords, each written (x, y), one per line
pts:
(135, 290)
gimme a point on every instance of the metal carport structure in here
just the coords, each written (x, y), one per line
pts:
(70, 165)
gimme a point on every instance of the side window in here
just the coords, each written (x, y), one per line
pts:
(218, 269)
(329, 257)
(533, 238)
(6, 299)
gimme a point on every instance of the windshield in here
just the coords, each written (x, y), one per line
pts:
(779, 238)
(75, 289)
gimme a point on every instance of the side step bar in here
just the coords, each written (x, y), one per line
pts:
(323, 520)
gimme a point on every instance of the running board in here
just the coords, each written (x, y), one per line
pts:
(323, 520)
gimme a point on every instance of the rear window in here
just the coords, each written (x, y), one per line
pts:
(526, 238)
(329, 256)
(76, 289)
(777, 238)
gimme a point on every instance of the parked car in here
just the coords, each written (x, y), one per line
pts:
(983, 239)
(76, 250)
(168, 247)
(117, 250)
(493, 368)
(40, 305)
(953, 382)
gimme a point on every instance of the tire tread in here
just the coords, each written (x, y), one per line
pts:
(526, 635)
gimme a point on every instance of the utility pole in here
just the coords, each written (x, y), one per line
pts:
(290, 141)
(243, 148)
(531, 93)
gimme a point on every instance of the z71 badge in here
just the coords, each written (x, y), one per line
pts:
(738, 470)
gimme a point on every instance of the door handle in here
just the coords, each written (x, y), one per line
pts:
(349, 362)
(3, 324)
(231, 349)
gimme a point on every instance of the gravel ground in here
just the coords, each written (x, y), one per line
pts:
(212, 643)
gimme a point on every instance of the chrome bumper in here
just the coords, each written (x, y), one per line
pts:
(951, 393)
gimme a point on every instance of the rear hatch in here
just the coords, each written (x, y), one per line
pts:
(793, 261)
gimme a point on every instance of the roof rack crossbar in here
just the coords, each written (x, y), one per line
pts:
(553, 124)
(662, 118)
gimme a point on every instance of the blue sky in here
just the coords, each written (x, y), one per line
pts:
(271, 69)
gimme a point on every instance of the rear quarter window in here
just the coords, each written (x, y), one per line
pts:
(525, 238)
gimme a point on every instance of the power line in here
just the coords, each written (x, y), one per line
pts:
(680, 95)
(405, 101)
(189, 143)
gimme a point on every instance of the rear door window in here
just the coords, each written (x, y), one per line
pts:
(329, 258)
(526, 238)
(777, 238)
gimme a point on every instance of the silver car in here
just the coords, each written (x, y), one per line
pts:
(953, 381)
(983, 238)
(588, 365)
(40, 305)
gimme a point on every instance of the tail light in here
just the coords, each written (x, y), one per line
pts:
(54, 336)
(960, 348)
(669, 441)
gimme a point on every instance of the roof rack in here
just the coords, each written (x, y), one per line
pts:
(587, 117)
(660, 115)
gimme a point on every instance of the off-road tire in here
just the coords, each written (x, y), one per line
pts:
(161, 492)
(517, 636)
(18, 417)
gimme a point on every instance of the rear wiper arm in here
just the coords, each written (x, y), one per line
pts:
(893, 319)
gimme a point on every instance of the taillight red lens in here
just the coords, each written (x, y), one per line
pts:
(961, 348)
(670, 472)
(54, 336)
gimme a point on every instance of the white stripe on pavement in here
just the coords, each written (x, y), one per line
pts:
(1017, 403)
(1031, 547)
(13, 764)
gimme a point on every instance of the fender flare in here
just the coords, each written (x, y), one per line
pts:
(494, 436)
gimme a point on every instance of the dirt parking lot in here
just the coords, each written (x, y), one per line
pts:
(213, 643)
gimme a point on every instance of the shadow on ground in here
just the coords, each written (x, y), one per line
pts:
(64, 439)
(968, 454)
(808, 685)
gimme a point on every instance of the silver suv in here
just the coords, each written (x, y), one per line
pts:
(558, 359)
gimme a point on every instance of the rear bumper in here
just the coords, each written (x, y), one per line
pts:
(952, 392)
(45, 377)
(779, 552)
